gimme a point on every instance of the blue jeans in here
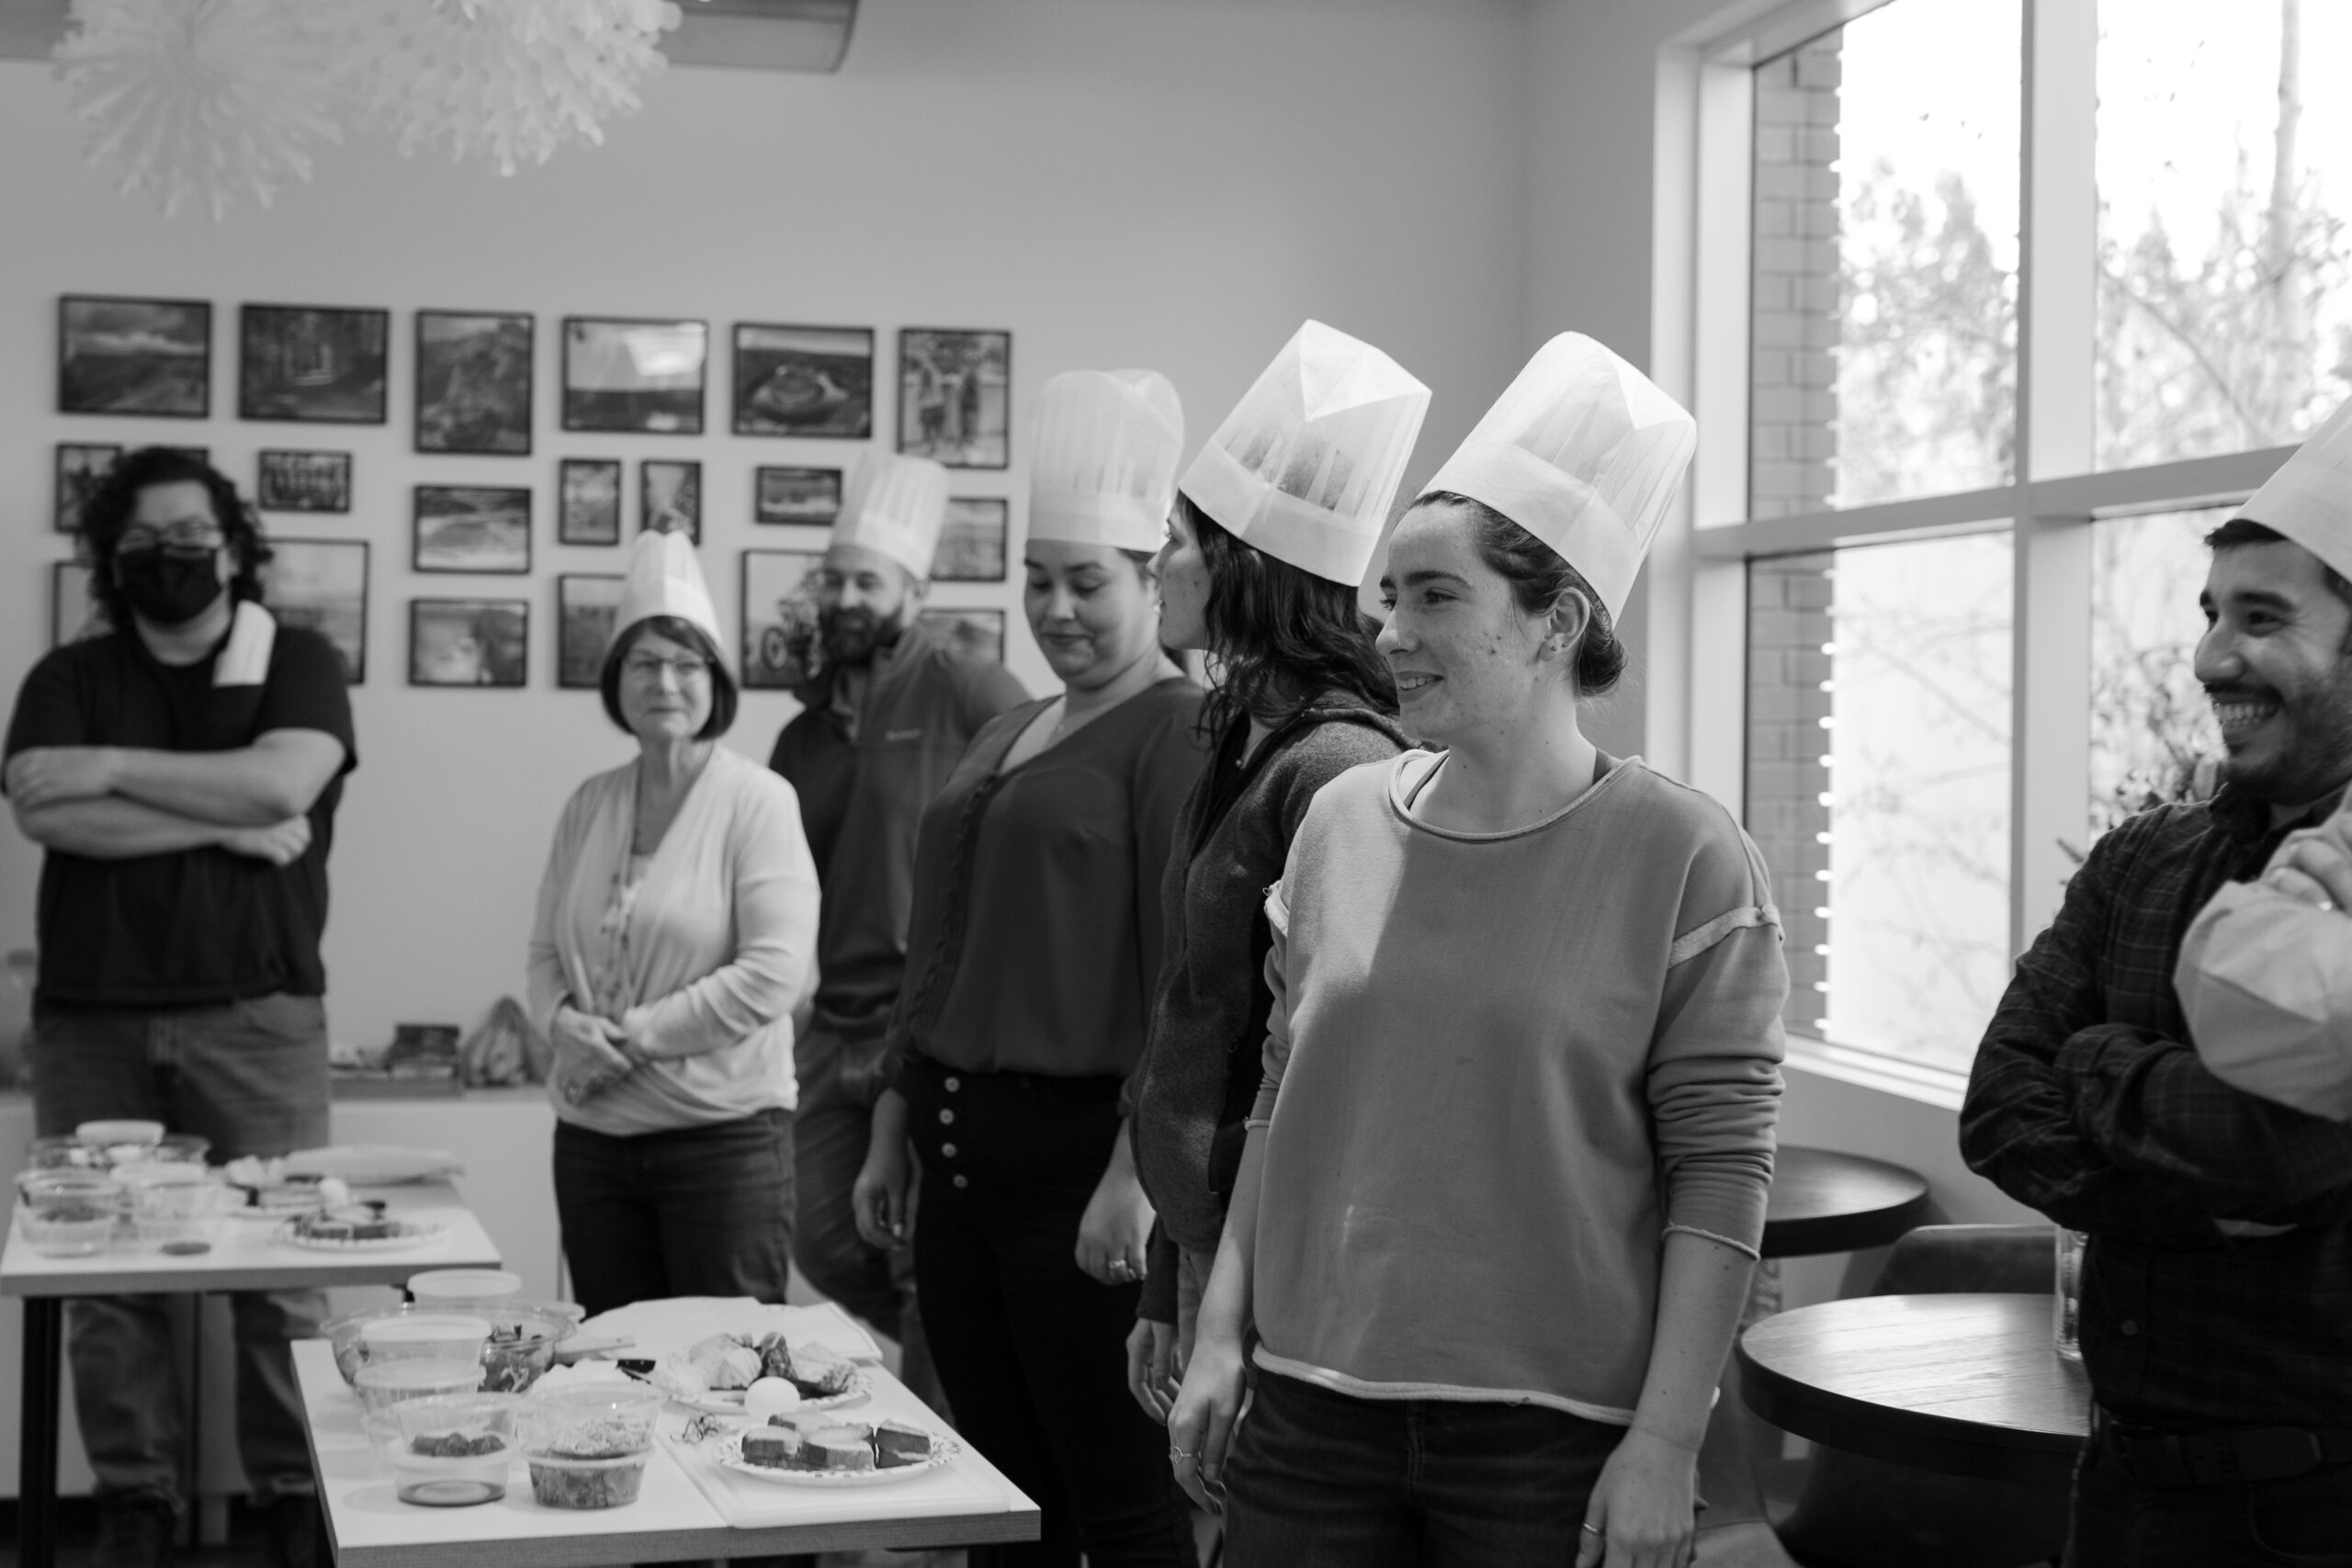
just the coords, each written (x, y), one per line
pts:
(252, 1076)
(694, 1212)
(1323, 1480)
(2118, 1523)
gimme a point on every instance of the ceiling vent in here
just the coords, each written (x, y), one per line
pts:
(759, 35)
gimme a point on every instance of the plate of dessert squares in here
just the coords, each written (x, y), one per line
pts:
(822, 1450)
(358, 1227)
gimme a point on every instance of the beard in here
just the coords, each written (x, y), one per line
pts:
(2312, 752)
(853, 637)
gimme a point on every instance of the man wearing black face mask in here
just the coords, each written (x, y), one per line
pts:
(182, 772)
(889, 711)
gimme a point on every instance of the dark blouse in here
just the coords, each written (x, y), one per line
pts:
(1035, 942)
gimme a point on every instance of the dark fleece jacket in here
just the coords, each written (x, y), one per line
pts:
(1201, 1068)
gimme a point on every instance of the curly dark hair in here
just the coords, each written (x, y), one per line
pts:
(1280, 636)
(1538, 577)
(686, 634)
(107, 515)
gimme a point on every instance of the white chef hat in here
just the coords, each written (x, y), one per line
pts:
(1104, 469)
(1583, 452)
(1306, 465)
(894, 506)
(664, 579)
(2310, 498)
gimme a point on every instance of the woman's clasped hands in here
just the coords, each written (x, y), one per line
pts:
(591, 1053)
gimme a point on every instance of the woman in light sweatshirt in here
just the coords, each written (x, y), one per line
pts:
(1506, 1173)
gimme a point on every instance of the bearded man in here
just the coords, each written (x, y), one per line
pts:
(891, 707)
(2217, 1291)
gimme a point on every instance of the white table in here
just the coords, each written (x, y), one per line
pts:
(683, 1512)
(244, 1258)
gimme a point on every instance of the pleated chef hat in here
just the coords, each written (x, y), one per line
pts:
(1585, 453)
(664, 579)
(1104, 469)
(1306, 465)
(894, 506)
(2310, 498)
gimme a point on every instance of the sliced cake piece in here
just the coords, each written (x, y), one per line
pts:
(896, 1443)
(842, 1448)
(776, 1448)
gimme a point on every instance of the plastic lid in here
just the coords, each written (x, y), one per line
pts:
(120, 1132)
(422, 1328)
(469, 1285)
(448, 1375)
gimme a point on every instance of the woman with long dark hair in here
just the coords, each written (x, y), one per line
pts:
(1506, 1175)
(1300, 696)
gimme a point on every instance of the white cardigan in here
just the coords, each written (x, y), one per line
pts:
(722, 943)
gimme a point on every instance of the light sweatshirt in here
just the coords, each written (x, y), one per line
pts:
(1499, 1068)
(722, 943)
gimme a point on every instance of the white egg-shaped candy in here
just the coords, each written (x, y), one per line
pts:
(770, 1396)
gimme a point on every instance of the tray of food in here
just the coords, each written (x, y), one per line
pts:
(808, 1449)
(358, 1227)
(372, 1164)
(759, 1376)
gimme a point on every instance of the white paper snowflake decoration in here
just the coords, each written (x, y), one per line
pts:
(503, 81)
(210, 99)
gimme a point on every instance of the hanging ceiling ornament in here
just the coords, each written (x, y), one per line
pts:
(503, 81)
(209, 99)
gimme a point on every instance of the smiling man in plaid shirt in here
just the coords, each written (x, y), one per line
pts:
(2217, 1296)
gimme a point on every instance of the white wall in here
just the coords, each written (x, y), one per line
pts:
(1167, 183)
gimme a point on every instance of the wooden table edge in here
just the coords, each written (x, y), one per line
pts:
(1944, 1444)
(1846, 1232)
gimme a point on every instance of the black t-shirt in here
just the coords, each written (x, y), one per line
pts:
(201, 925)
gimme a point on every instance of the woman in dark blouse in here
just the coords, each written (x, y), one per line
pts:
(1033, 953)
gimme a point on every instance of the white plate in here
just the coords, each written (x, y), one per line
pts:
(731, 1457)
(374, 1165)
(414, 1233)
(729, 1402)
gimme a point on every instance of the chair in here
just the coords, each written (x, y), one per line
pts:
(1857, 1512)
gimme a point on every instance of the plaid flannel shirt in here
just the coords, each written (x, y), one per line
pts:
(2088, 1103)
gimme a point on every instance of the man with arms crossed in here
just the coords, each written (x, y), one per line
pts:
(181, 772)
(2217, 1293)
(890, 709)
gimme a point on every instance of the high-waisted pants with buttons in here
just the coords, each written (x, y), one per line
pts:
(1033, 1353)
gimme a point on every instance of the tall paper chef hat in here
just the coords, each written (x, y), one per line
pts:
(1104, 470)
(664, 579)
(1585, 453)
(2310, 498)
(894, 505)
(1306, 466)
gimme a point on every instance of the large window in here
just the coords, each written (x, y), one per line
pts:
(2035, 296)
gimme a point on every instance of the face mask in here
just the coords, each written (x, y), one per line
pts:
(169, 588)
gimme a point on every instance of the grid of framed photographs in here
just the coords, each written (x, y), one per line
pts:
(474, 394)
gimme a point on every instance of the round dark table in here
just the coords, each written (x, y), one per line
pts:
(1825, 1202)
(1959, 1384)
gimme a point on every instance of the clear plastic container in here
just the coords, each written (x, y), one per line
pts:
(343, 1333)
(385, 1384)
(587, 1444)
(524, 1338)
(67, 1213)
(115, 1132)
(464, 1288)
(453, 1450)
(446, 1337)
(173, 1203)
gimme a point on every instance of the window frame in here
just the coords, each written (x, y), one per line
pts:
(1700, 348)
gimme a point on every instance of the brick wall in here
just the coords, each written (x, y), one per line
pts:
(1789, 602)
(1793, 410)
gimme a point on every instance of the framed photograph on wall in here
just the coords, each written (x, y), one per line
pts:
(473, 382)
(152, 357)
(476, 528)
(977, 633)
(323, 584)
(312, 365)
(303, 481)
(669, 498)
(585, 602)
(779, 616)
(634, 376)
(588, 509)
(72, 613)
(811, 381)
(468, 642)
(809, 497)
(971, 542)
(81, 465)
(954, 396)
